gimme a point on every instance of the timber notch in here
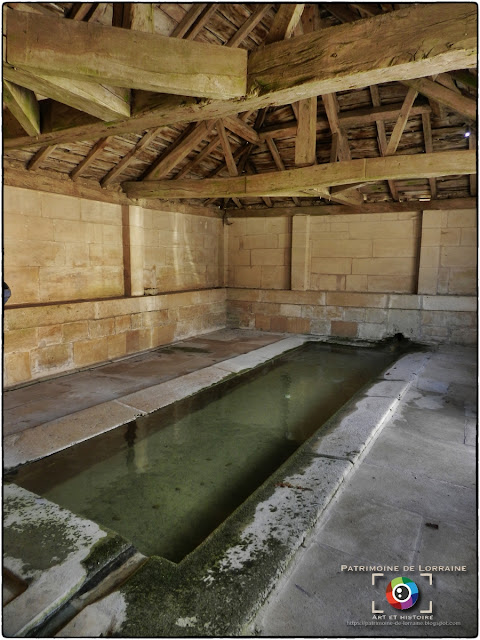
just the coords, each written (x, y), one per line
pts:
(278, 121)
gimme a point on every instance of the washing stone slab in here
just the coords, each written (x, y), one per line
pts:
(237, 566)
(407, 367)
(348, 433)
(54, 552)
(55, 435)
(264, 354)
(50, 437)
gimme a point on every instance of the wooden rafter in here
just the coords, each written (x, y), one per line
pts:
(382, 138)
(281, 74)
(401, 122)
(272, 147)
(120, 167)
(179, 150)
(201, 22)
(285, 21)
(445, 96)
(40, 157)
(90, 158)
(284, 183)
(472, 145)
(249, 25)
(306, 140)
(427, 135)
(189, 18)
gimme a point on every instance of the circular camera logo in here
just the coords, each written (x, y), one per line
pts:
(402, 593)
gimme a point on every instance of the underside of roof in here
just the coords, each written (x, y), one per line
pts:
(269, 101)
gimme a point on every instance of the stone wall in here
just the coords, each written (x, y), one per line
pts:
(365, 316)
(45, 340)
(259, 251)
(182, 251)
(87, 280)
(348, 274)
(374, 252)
(61, 248)
(448, 259)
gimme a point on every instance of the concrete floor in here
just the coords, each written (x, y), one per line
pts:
(411, 502)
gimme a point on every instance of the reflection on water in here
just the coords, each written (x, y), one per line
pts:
(167, 480)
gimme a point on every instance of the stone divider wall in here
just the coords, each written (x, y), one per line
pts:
(365, 316)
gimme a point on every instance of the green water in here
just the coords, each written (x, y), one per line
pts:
(167, 480)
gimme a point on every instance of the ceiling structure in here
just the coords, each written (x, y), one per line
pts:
(316, 104)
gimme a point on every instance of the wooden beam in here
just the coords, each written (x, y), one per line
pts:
(382, 137)
(23, 105)
(227, 151)
(401, 122)
(351, 197)
(451, 99)
(447, 204)
(333, 59)
(97, 100)
(250, 169)
(472, 145)
(120, 167)
(79, 10)
(278, 160)
(310, 68)
(283, 183)
(139, 16)
(212, 145)
(241, 129)
(306, 140)
(341, 11)
(177, 152)
(90, 158)
(40, 157)
(188, 19)
(249, 25)
(124, 58)
(427, 136)
(285, 21)
(367, 115)
(331, 109)
(202, 21)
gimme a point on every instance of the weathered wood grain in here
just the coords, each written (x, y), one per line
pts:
(124, 58)
(284, 183)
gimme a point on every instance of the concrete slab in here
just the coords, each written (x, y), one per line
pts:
(53, 551)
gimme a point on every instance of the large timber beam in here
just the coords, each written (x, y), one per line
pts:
(106, 103)
(442, 37)
(313, 179)
(124, 58)
(23, 105)
(414, 42)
